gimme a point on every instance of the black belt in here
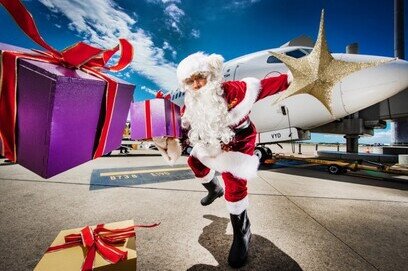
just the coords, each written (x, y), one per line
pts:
(242, 126)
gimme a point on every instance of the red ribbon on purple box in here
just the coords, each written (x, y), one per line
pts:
(79, 56)
(150, 123)
(100, 240)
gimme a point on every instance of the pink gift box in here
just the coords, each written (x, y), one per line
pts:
(154, 118)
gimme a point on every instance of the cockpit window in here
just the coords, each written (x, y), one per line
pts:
(296, 53)
(272, 59)
(308, 51)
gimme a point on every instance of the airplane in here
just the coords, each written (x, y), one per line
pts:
(292, 118)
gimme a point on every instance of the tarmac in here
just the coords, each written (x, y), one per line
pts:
(302, 218)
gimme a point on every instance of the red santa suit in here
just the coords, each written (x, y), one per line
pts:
(237, 162)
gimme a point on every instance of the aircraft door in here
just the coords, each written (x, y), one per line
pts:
(272, 74)
(235, 72)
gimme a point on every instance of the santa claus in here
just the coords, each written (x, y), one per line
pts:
(215, 117)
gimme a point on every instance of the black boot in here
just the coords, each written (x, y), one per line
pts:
(214, 191)
(242, 236)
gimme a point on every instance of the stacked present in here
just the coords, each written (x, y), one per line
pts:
(102, 247)
(154, 118)
(57, 109)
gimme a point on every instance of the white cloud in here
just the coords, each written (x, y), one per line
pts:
(102, 22)
(171, 1)
(239, 4)
(148, 90)
(175, 26)
(174, 12)
(163, 1)
(195, 33)
(167, 46)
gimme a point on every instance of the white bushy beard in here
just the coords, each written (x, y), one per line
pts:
(206, 115)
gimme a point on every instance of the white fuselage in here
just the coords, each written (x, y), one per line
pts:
(354, 92)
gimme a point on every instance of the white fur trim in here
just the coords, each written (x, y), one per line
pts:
(207, 178)
(199, 62)
(238, 207)
(290, 77)
(241, 165)
(253, 88)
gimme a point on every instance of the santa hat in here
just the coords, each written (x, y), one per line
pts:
(199, 63)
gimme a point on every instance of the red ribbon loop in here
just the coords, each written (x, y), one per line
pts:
(81, 55)
(74, 56)
(161, 95)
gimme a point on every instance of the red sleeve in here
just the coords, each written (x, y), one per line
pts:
(234, 92)
(273, 85)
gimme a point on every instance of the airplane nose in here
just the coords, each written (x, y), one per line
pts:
(372, 85)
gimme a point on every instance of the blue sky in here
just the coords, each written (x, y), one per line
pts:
(163, 32)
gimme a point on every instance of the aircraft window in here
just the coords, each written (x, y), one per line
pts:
(272, 59)
(295, 54)
(308, 51)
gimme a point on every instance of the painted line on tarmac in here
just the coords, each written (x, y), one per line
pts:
(111, 177)
(142, 171)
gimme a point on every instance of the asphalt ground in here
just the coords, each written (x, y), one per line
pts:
(302, 218)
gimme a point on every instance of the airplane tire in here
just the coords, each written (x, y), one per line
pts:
(335, 169)
(263, 153)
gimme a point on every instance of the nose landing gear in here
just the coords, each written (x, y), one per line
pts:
(264, 154)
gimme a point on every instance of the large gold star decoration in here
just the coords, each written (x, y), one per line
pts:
(317, 73)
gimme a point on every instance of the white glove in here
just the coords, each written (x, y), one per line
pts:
(169, 148)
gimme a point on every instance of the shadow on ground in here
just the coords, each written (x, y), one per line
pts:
(263, 254)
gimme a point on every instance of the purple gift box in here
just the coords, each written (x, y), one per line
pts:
(153, 118)
(59, 116)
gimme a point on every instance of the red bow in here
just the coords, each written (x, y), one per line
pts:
(81, 56)
(100, 239)
(161, 95)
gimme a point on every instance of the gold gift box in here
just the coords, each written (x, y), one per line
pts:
(72, 258)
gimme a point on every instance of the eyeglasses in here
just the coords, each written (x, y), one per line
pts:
(195, 77)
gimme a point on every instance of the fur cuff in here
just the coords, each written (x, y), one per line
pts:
(253, 88)
(241, 165)
(238, 207)
(207, 178)
(290, 77)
